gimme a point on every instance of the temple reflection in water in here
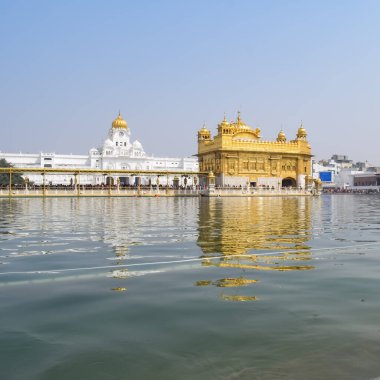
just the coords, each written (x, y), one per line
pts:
(253, 234)
(224, 243)
(248, 235)
(233, 226)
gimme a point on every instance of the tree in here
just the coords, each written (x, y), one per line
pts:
(4, 177)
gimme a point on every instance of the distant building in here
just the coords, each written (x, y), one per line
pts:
(237, 156)
(345, 178)
(367, 179)
(334, 172)
(324, 171)
(342, 173)
(116, 152)
(341, 160)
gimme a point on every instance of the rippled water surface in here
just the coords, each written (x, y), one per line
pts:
(176, 288)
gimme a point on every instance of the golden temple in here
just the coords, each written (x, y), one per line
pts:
(238, 157)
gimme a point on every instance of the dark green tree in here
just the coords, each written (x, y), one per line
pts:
(4, 177)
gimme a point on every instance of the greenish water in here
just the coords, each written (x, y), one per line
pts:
(246, 288)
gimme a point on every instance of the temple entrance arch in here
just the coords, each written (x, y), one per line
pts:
(289, 182)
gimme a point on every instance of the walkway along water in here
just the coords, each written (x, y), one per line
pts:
(206, 179)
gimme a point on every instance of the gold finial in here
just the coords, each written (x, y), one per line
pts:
(224, 122)
(301, 134)
(119, 122)
(204, 128)
(239, 122)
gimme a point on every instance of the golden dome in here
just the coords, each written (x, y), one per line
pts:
(224, 122)
(204, 133)
(239, 121)
(281, 136)
(204, 129)
(301, 132)
(240, 125)
(119, 122)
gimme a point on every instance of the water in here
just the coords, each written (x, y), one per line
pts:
(245, 288)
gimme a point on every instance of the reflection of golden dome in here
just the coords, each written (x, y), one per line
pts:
(119, 122)
(301, 132)
(281, 136)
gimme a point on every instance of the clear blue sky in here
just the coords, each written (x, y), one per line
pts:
(67, 67)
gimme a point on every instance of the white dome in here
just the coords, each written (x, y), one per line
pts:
(137, 145)
(108, 143)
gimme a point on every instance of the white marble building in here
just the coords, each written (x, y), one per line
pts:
(116, 152)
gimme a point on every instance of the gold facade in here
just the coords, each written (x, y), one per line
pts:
(237, 151)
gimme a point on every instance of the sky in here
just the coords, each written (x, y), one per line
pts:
(68, 67)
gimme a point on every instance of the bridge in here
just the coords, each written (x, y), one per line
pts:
(108, 188)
